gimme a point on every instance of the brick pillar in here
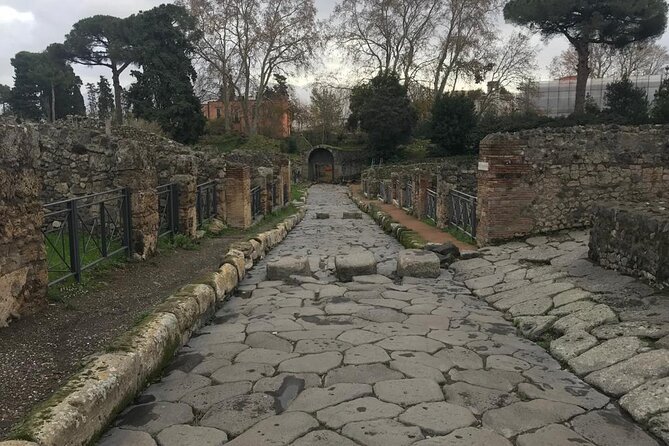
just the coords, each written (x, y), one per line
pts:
(23, 266)
(421, 184)
(285, 182)
(443, 189)
(238, 196)
(187, 186)
(137, 171)
(221, 208)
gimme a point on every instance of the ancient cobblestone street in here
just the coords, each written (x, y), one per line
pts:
(378, 361)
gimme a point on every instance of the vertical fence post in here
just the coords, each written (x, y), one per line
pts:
(473, 218)
(174, 208)
(75, 263)
(214, 201)
(103, 230)
(127, 233)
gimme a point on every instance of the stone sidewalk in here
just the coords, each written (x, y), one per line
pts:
(375, 361)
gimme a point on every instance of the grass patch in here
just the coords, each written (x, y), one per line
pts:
(269, 221)
(298, 191)
(452, 230)
(177, 241)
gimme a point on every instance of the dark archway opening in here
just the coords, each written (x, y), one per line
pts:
(321, 166)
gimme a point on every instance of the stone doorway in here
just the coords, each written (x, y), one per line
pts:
(321, 166)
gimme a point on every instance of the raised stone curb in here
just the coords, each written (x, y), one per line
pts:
(85, 405)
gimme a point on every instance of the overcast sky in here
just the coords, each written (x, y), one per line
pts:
(31, 25)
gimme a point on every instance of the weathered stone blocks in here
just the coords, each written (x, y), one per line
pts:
(355, 264)
(418, 263)
(285, 267)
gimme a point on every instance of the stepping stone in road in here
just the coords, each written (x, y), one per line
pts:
(352, 216)
(357, 264)
(322, 216)
(285, 267)
(418, 263)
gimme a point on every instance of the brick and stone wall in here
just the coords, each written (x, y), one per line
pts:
(23, 268)
(632, 238)
(544, 180)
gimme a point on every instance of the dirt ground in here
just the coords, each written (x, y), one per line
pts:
(39, 352)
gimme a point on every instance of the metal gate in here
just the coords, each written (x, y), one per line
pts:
(431, 210)
(168, 210)
(462, 213)
(407, 196)
(255, 202)
(206, 203)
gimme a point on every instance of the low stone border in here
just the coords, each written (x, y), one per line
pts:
(408, 238)
(80, 410)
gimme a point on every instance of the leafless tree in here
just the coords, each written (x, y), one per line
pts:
(327, 110)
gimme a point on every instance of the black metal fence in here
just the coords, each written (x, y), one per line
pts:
(206, 203)
(168, 210)
(84, 231)
(255, 202)
(431, 210)
(462, 213)
(407, 196)
(384, 192)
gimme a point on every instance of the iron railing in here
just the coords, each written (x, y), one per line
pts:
(462, 213)
(431, 210)
(168, 210)
(407, 196)
(81, 232)
(206, 203)
(385, 194)
(255, 202)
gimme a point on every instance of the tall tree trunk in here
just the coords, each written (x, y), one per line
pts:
(118, 106)
(53, 102)
(582, 75)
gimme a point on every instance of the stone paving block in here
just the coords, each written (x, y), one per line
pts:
(373, 279)
(457, 337)
(507, 363)
(492, 379)
(525, 416)
(659, 426)
(416, 370)
(154, 417)
(647, 400)
(284, 267)
(352, 215)
(309, 346)
(365, 354)
(357, 264)
(440, 363)
(394, 329)
(605, 354)
(574, 307)
(323, 438)
(485, 281)
(642, 329)
(277, 430)
(536, 307)
(184, 435)
(382, 433)
(533, 327)
(572, 344)
(317, 363)
(410, 343)
(359, 337)
(586, 320)
(625, 376)
(468, 436)
(609, 427)
(461, 357)
(315, 399)
(202, 399)
(562, 386)
(361, 409)
(242, 372)
(264, 356)
(553, 435)
(376, 314)
(433, 322)
(438, 418)
(274, 383)
(418, 263)
(210, 365)
(477, 399)
(173, 388)
(235, 415)
(115, 437)
(268, 341)
(408, 392)
(322, 216)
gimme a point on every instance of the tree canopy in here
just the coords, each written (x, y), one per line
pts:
(584, 22)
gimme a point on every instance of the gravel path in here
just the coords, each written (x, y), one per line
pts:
(374, 362)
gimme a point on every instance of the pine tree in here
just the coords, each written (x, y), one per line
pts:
(105, 99)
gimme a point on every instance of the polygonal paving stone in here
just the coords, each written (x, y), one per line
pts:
(264, 356)
(659, 426)
(323, 438)
(468, 436)
(328, 333)
(308, 346)
(222, 351)
(572, 344)
(477, 399)
(279, 430)
(586, 320)
(361, 409)
(268, 341)
(438, 418)
(315, 399)
(493, 379)
(373, 279)
(242, 372)
(484, 282)
(491, 347)
(365, 354)
(408, 391)
(273, 325)
(416, 370)
(316, 363)
(604, 355)
(642, 329)
(330, 291)
(461, 357)
(562, 386)
(345, 308)
(274, 383)
(525, 416)
(440, 363)
(433, 322)
(206, 340)
(363, 374)
(239, 413)
(154, 417)
(410, 343)
(456, 337)
(424, 308)
(553, 435)
(396, 329)
(570, 296)
(610, 428)
(359, 337)
(173, 388)
(183, 435)
(647, 400)
(376, 314)
(536, 307)
(387, 303)
(202, 399)
(574, 307)
(119, 437)
(382, 433)
(624, 376)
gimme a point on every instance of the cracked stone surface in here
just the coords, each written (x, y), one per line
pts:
(382, 360)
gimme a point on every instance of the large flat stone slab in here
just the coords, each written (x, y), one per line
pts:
(647, 400)
(605, 354)
(477, 399)
(315, 399)
(317, 363)
(363, 374)
(356, 264)
(277, 430)
(382, 433)
(525, 416)
(235, 415)
(625, 376)
(323, 438)
(362, 409)
(408, 392)
(609, 427)
(553, 435)
(418, 263)
(184, 435)
(153, 418)
(438, 418)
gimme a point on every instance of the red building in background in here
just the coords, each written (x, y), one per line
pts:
(275, 119)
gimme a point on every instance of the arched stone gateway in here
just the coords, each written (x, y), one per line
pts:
(321, 165)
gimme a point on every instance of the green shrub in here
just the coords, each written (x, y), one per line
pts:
(454, 122)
